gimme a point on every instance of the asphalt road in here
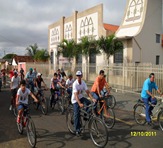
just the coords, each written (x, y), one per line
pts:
(52, 131)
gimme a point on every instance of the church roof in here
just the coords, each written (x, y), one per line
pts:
(111, 27)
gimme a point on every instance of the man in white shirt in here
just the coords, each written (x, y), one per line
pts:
(78, 99)
(15, 81)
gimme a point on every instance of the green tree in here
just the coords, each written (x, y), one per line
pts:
(69, 49)
(88, 46)
(110, 45)
(41, 55)
(9, 56)
(32, 50)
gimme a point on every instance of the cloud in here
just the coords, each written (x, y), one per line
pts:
(25, 22)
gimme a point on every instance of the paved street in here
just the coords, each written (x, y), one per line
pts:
(52, 131)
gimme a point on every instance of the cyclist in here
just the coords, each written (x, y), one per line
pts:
(22, 73)
(30, 79)
(14, 85)
(69, 83)
(78, 99)
(54, 87)
(38, 81)
(147, 96)
(63, 73)
(35, 72)
(98, 86)
(22, 98)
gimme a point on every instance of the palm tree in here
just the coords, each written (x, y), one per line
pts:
(32, 50)
(88, 46)
(110, 45)
(41, 55)
(69, 49)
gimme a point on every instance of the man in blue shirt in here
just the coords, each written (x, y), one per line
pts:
(147, 95)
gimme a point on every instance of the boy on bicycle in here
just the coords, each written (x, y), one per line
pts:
(14, 85)
(22, 99)
(54, 87)
(38, 82)
(78, 99)
(98, 86)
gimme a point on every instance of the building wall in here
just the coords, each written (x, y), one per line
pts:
(147, 37)
(138, 31)
(86, 23)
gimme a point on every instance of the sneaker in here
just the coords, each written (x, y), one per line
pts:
(10, 108)
(151, 114)
(151, 124)
(18, 120)
(78, 134)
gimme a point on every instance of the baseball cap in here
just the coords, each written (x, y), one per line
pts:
(78, 73)
(30, 69)
(15, 72)
(39, 74)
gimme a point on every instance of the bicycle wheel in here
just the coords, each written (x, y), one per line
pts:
(20, 127)
(111, 101)
(108, 117)
(60, 106)
(70, 120)
(31, 132)
(139, 114)
(160, 119)
(15, 111)
(98, 132)
(44, 105)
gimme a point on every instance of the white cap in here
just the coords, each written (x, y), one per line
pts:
(39, 74)
(78, 73)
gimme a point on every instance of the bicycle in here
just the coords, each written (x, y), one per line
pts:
(56, 99)
(107, 114)
(97, 129)
(66, 99)
(140, 116)
(27, 122)
(110, 99)
(42, 103)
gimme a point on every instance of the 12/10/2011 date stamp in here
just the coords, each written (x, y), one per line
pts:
(143, 134)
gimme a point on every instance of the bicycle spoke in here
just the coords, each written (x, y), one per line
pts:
(98, 132)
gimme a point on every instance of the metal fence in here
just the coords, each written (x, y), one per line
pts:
(129, 77)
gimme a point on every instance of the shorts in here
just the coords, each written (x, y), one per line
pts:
(13, 92)
(22, 106)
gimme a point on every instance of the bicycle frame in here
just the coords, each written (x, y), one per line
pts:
(159, 107)
(103, 107)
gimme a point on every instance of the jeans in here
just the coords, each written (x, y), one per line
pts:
(30, 85)
(76, 108)
(149, 108)
(69, 91)
(54, 95)
(95, 96)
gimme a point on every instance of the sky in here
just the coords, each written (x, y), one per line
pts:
(25, 22)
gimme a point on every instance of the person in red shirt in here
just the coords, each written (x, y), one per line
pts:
(98, 85)
(11, 73)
